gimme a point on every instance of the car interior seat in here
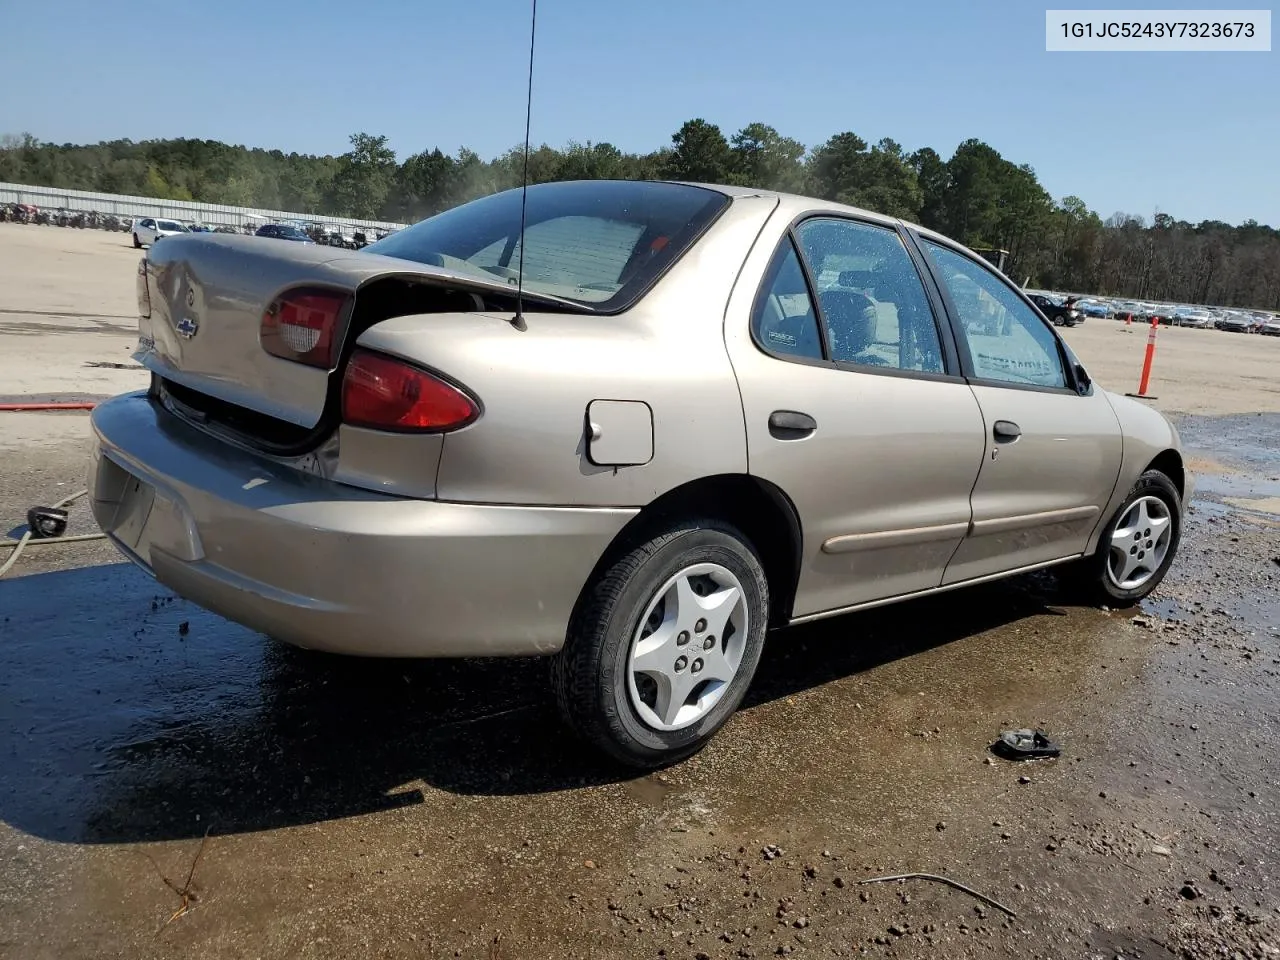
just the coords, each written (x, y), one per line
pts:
(794, 335)
(851, 323)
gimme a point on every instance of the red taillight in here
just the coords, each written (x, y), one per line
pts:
(304, 326)
(388, 394)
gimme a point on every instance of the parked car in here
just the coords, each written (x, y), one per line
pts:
(1236, 323)
(147, 230)
(1094, 308)
(1058, 313)
(283, 231)
(1128, 310)
(1193, 317)
(1270, 327)
(668, 444)
(339, 237)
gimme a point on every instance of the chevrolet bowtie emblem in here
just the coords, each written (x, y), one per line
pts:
(188, 326)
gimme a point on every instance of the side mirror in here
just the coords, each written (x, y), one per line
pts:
(1083, 381)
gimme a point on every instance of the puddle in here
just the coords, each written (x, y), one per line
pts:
(1244, 440)
(651, 790)
(1210, 508)
(1238, 485)
(1166, 608)
(1235, 461)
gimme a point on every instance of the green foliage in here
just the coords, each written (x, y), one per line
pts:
(761, 157)
(976, 196)
(364, 178)
(700, 153)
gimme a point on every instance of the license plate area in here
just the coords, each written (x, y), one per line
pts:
(138, 515)
(136, 502)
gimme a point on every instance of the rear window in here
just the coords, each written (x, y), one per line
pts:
(601, 243)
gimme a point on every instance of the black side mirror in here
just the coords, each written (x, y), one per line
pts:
(1083, 382)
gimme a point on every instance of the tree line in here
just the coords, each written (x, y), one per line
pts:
(976, 196)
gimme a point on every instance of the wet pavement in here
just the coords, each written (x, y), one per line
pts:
(338, 808)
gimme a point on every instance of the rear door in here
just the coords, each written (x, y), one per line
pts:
(854, 408)
(1053, 451)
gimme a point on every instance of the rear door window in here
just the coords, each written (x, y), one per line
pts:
(870, 296)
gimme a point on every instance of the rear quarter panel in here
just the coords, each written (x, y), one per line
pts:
(535, 385)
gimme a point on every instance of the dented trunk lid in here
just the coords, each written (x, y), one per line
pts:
(201, 301)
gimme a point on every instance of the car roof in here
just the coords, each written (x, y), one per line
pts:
(796, 203)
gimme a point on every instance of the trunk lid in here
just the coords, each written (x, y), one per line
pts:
(201, 301)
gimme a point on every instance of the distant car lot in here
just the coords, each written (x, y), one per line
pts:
(1196, 316)
(146, 230)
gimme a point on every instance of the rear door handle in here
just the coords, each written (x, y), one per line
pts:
(1006, 431)
(791, 425)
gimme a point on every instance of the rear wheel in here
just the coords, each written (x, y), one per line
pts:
(1138, 545)
(136, 242)
(664, 644)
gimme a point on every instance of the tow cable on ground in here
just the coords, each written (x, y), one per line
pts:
(41, 519)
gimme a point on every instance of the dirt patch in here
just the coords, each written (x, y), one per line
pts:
(1202, 372)
(1263, 505)
(1197, 464)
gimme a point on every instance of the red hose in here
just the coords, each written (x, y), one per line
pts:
(6, 407)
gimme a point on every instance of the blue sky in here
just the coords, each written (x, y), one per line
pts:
(1196, 135)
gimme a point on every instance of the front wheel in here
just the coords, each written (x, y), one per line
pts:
(137, 244)
(1138, 544)
(664, 643)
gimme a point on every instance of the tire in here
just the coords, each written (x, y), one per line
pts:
(1096, 575)
(137, 244)
(613, 705)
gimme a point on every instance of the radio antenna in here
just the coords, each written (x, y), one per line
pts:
(518, 320)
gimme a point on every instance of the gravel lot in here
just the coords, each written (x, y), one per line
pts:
(422, 809)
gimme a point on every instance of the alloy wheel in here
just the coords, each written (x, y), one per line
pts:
(688, 647)
(1140, 543)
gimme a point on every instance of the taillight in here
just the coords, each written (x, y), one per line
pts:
(384, 393)
(304, 326)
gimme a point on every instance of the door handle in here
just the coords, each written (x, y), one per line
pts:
(791, 425)
(1006, 431)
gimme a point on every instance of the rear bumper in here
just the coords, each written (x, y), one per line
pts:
(331, 567)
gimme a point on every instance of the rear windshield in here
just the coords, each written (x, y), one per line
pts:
(601, 243)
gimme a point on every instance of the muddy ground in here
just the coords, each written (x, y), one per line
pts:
(331, 808)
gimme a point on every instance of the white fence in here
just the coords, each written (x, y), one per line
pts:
(214, 214)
